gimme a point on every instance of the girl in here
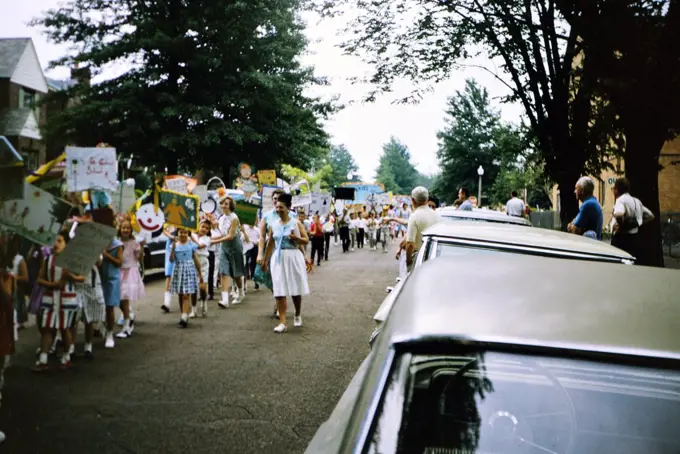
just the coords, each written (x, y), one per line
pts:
(372, 228)
(59, 305)
(317, 239)
(92, 302)
(204, 242)
(186, 274)
(253, 236)
(231, 253)
(384, 226)
(110, 276)
(169, 267)
(352, 231)
(287, 262)
(19, 273)
(131, 284)
(362, 225)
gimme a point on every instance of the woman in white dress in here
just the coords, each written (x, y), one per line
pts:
(286, 261)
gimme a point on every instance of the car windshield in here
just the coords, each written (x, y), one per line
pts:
(516, 404)
(456, 250)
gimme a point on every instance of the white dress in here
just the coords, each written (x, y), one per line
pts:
(287, 264)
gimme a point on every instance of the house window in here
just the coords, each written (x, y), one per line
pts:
(29, 98)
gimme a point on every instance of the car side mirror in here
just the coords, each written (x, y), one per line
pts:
(389, 289)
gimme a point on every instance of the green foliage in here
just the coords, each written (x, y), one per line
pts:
(395, 170)
(295, 174)
(341, 162)
(210, 83)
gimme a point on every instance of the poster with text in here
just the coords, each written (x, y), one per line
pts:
(38, 216)
(84, 249)
(267, 177)
(124, 197)
(176, 185)
(181, 210)
(91, 168)
(321, 204)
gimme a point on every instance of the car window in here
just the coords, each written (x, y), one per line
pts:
(516, 404)
(495, 221)
(456, 250)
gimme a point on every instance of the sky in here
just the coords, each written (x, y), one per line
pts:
(362, 127)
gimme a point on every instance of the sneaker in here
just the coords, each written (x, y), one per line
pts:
(110, 343)
(165, 308)
(298, 321)
(280, 328)
(192, 314)
(223, 304)
(123, 334)
(183, 323)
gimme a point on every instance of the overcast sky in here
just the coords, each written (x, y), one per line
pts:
(363, 128)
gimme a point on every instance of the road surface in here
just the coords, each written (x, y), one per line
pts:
(228, 384)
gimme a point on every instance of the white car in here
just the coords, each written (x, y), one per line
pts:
(452, 214)
(465, 238)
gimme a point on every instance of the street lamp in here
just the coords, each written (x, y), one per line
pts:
(480, 172)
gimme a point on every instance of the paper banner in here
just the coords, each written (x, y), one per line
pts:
(247, 213)
(321, 204)
(123, 199)
(91, 168)
(302, 194)
(266, 201)
(37, 217)
(181, 210)
(267, 177)
(84, 249)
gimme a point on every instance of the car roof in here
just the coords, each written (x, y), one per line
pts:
(540, 301)
(513, 235)
(483, 215)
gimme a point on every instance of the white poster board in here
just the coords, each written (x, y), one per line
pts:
(91, 168)
(123, 198)
(321, 203)
(302, 194)
(267, 192)
(177, 185)
(84, 249)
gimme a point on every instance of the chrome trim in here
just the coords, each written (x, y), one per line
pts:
(504, 343)
(376, 397)
(397, 280)
(508, 247)
(389, 289)
(157, 252)
(374, 336)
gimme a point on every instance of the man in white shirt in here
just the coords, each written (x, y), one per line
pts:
(629, 214)
(421, 219)
(515, 206)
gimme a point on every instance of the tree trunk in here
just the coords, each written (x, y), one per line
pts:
(568, 202)
(643, 147)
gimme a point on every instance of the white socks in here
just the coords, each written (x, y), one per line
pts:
(184, 317)
(167, 298)
(126, 325)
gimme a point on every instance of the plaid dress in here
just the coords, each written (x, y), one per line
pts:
(59, 307)
(92, 298)
(185, 276)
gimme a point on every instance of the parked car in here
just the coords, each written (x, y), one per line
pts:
(452, 214)
(154, 254)
(522, 354)
(501, 240)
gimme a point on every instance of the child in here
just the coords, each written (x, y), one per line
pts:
(169, 267)
(204, 242)
(92, 303)
(59, 305)
(110, 276)
(19, 273)
(186, 272)
(131, 284)
(372, 228)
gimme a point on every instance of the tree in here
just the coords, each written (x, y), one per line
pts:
(424, 41)
(294, 174)
(342, 163)
(468, 141)
(395, 171)
(636, 60)
(209, 83)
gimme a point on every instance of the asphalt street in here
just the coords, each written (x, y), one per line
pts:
(227, 384)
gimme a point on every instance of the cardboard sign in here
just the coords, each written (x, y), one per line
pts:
(247, 213)
(124, 197)
(302, 194)
(181, 210)
(267, 177)
(266, 202)
(38, 216)
(176, 185)
(84, 249)
(321, 204)
(91, 168)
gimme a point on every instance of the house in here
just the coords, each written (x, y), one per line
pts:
(22, 85)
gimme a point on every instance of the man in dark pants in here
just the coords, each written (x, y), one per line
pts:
(251, 263)
(211, 274)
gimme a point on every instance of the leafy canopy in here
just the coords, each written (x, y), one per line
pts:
(204, 83)
(396, 171)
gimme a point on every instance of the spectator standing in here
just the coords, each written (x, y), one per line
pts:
(515, 206)
(589, 220)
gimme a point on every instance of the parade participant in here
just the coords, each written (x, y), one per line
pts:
(372, 228)
(251, 251)
(231, 253)
(352, 231)
(204, 241)
(132, 285)
(169, 268)
(110, 275)
(384, 226)
(7, 331)
(328, 229)
(92, 303)
(362, 227)
(186, 274)
(316, 233)
(59, 305)
(19, 273)
(287, 263)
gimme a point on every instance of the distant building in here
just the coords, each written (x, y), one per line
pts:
(22, 85)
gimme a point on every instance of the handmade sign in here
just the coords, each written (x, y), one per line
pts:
(38, 216)
(266, 202)
(180, 210)
(362, 190)
(82, 252)
(91, 168)
(247, 213)
(302, 194)
(246, 181)
(176, 185)
(321, 204)
(124, 197)
(267, 177)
